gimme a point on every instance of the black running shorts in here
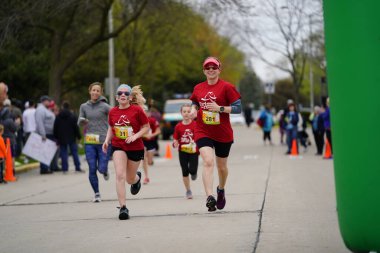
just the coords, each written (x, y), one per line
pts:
(134, 155)
(222, 149)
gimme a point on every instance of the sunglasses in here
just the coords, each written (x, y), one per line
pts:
(211, 67)
(119, 93)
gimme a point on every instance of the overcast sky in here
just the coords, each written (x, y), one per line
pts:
(234, 24)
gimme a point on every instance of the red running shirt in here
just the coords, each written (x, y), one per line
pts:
(153, 124)
(124, 123)
(184, 134)
(215, 126)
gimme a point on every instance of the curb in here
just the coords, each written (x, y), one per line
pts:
(26, 167)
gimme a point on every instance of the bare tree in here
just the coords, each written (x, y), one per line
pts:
(283, 29)
(73, 28)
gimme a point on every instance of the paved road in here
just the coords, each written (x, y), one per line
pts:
(274, 204)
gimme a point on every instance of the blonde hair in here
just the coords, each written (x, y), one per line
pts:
(137, 96)
(1, 128)
(185, 105)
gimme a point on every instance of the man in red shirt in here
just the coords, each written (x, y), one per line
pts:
(213, 101)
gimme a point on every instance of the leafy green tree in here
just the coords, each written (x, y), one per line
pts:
(73, 27)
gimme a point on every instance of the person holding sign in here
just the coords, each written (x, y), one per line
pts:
(187, 149)
(93, 116)
(212, 102)
(127, 124)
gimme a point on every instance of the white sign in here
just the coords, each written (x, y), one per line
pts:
(42, 151)
(269, 88)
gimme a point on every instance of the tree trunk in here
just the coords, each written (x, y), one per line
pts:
(55, 82)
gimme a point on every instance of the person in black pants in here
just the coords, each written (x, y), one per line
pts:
(188, 154)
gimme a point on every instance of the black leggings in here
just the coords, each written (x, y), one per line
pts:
(189, 163)
(267, 135)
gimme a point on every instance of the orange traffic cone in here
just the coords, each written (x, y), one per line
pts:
(294, 151)
(9, 164)
(327, 150)
(168, 153)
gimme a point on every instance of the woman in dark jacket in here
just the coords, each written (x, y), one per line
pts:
(66, 131)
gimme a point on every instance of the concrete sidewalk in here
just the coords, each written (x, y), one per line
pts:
(274, 204)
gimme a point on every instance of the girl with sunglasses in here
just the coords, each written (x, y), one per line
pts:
(127, 124)
(212, 102)
(93, 115)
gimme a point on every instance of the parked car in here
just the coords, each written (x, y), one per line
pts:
(171, 116)
(237, 119)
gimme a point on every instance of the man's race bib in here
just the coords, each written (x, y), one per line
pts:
(123, 132)
(211, 118)
(189, 148)
(92, 139)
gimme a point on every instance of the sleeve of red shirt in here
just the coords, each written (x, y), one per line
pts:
(175, 134)
(232, 94)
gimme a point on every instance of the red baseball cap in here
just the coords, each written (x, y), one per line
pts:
(211, 60)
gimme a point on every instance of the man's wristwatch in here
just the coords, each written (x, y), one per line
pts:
(221, 109)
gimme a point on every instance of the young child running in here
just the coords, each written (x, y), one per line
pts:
(187, 150)
(149, 140)
(127, 124)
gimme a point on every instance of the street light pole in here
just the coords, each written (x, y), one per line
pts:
(311, 77)
(111, 67)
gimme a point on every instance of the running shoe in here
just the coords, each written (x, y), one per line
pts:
(106, 175)
(221, 199)
(189, 194)
(135, 188)
(211, 202)
(124, 213)
(146, 180)
(97, 198)
(194, 177)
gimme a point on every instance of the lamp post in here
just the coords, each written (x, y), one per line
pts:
(311, 77)
(111, 66)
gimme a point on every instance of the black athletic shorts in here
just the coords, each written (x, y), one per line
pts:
(150, 145)
(222, 149)
(134, 155)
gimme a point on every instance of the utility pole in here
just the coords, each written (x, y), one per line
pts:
(311, 77)
(111, 66)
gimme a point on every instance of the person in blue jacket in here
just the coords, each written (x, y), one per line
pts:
(267, 118)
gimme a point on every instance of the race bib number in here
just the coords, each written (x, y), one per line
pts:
(189, 148)
(123, 132)
(92, 139)
(211, 118)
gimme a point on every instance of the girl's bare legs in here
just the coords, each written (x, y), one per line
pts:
(120, 162)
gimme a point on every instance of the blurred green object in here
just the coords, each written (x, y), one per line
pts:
(353, 65)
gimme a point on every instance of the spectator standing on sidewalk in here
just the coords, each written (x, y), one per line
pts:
(291, 119)
(29, 120)
(212, 102)
(93, 115)
(66, 131)
(327, 124)
(44, 127)
(267, 118)
(127, 124)
(7, 120)
(318, 129)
